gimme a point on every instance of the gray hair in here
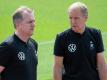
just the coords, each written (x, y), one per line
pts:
(79, 5)
(18, 14)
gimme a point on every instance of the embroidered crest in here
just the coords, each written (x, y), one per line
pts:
(21, 56)
(91, 45)
(72, 47)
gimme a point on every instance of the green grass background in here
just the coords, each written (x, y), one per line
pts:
(51, 18)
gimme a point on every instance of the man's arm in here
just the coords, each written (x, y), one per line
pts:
(102, 66)
(1, 69)
(57, 68)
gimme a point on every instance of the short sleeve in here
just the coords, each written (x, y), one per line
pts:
(35, 44)
(5, 54)
(59, 46)
(99, 45)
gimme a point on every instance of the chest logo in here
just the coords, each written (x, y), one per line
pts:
(72, 47)
(91, 45)
(21, 56)
(36, 53)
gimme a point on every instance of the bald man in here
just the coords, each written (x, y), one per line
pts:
(78, 51)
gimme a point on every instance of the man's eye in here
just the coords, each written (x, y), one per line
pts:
(70, 17)
(76, 17)
(30, 22)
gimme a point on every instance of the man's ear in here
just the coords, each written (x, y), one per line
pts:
(17, 23)
(86, 17)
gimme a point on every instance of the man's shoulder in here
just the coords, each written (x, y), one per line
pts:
(33, 42)
(8, 42)
(64, 33)
(93, 30)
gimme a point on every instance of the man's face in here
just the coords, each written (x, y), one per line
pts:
(77, 20)
(26, 26)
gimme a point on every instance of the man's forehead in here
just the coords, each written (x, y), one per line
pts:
(27, 15)
(75, 10)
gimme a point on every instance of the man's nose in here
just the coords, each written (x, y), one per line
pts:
(73, 21)
(33, 24)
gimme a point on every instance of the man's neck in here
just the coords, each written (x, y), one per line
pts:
(82, 31)
(23, 37)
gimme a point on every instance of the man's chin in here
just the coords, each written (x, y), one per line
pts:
(30, 34)
(75, 30)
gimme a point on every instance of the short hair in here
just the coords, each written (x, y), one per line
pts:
(81, 6)
(18, 14)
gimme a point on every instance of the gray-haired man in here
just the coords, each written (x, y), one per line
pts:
(79, 50)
